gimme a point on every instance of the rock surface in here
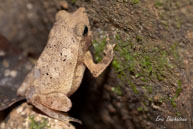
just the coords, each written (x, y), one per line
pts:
(26, 117)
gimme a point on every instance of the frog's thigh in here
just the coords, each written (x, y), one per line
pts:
(52, 113)
(55, 101)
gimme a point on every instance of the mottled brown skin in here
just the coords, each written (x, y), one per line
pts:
(59, 69)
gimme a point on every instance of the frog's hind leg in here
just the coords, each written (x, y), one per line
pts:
(55, 114)
(55, 101)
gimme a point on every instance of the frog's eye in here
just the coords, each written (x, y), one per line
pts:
(85, 32)
(81, 29)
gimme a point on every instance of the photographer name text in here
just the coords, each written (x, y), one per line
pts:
(170, 118)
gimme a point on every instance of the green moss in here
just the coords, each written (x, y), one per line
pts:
(173, 50)
(143, 79)
(133, 86)
(179, 89)
(173, 101)
(158, 4)
(165, 23)
(161, 100)
(140, 109)
(148, 88)
(146, 64)
(178, 114)
(117, 65)
(38, 124)
(134, 1)
(139, 38)
(73, 1)
(117, 90)
(99, 46)
(178, 24)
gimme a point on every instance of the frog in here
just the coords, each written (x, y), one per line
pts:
(59, 70)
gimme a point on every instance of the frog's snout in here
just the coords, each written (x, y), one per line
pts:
(30, 93)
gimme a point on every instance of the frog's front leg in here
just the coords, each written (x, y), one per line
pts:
(43, 105)
(97, 69)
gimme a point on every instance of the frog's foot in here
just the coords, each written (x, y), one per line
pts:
(54, 114)
(54, 101)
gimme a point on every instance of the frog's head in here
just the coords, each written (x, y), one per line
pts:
(77, 22)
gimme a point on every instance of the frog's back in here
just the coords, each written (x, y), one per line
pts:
(55, 68)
